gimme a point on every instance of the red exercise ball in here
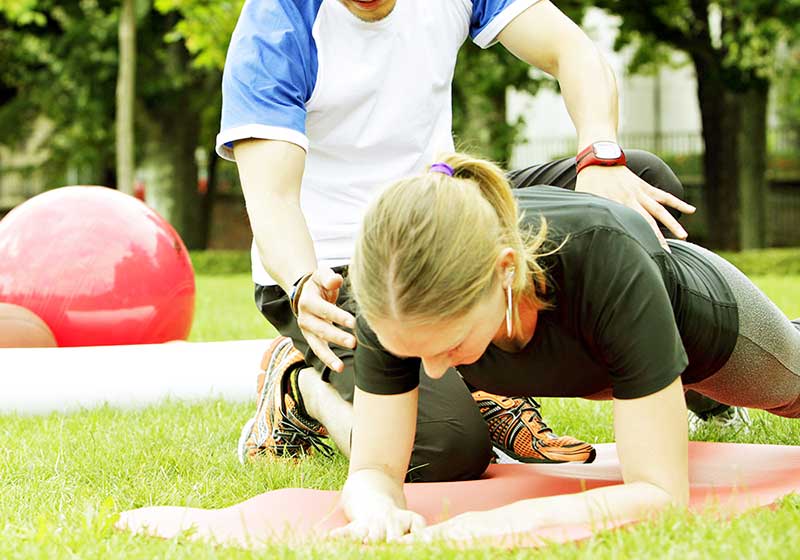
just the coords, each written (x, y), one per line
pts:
(98, 266)
(22, 328)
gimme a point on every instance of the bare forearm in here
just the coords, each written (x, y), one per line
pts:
(657, 475)
(383, 435)
(589, 89)
(283, 240)
(599, 507)
(271, 173)
(545, 38)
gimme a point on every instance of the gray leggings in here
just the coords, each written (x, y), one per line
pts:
(764, 368)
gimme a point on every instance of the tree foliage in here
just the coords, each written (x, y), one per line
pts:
(205, 26)
(789, 89)
(59, 59)
(741, 35)
(482, 78)
(59, 62)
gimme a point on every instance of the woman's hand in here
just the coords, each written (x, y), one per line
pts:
(317, 314)
(383, 523)
(473, 525)
(373, 498)
(373, 501)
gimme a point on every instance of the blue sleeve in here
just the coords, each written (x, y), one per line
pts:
(489, 17)
(270, 72)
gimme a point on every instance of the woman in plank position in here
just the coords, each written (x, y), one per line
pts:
(543, 291)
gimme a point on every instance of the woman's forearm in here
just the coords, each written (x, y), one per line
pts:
(600, 507)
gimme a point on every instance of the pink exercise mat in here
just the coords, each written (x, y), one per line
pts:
(731, 478)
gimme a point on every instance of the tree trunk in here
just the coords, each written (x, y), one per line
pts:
(126, 92)
(209, 198)
(170, 172)
(172, 124)
(720, 115)
(735, 157)
(753, 167)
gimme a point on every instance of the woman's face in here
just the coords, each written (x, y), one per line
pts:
(445, 344)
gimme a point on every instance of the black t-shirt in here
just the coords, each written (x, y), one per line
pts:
(626, 315)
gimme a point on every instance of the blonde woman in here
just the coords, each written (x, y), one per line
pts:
(543, 291)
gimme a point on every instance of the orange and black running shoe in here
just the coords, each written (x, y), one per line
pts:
(280, 426)
(518, 431)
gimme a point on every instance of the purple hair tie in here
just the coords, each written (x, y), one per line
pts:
(441, 167)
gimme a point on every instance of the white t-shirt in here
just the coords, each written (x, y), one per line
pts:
(370, 102)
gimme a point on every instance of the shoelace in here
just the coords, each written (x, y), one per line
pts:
(529, 404)
(292, 437)
(520, 407)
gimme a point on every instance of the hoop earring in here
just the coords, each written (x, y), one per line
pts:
(508, 305)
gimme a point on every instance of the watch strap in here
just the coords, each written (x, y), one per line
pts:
(297, 289)
(587, 158)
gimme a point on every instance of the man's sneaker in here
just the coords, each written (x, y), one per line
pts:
(518, 431)
(733, 419)
(280, 427)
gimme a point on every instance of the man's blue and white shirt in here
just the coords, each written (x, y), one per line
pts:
(370, 102)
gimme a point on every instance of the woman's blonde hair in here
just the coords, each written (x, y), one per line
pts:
(429, 245)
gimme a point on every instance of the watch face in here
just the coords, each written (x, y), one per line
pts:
(606, 150)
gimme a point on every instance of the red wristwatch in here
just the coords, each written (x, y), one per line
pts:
(600, 153)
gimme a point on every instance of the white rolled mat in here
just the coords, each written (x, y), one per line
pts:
(42, 380)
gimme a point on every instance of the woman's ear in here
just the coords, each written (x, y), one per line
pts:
(505, 265)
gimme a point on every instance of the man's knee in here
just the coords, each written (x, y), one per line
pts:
(450, 450)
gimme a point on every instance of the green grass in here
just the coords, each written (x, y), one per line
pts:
(225, 310)
(64, 478)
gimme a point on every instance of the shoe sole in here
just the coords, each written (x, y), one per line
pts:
(512, 457)
(273, 350)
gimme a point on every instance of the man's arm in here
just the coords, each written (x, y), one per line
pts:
(271, 172)
(547, 39)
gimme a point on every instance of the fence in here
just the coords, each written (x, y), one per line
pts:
(781, 142)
